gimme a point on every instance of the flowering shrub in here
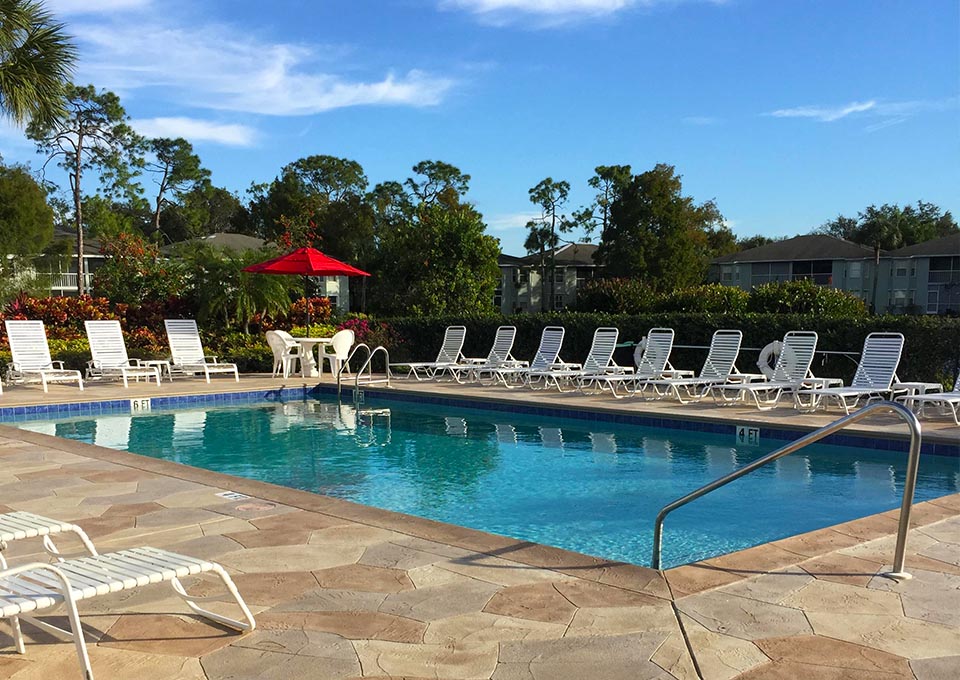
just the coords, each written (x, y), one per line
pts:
(134, 272)
(372, 333)
(320, 311)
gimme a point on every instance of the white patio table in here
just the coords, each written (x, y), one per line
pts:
(309, 368)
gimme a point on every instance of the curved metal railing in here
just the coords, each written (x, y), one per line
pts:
(358, 378)
(908, 487)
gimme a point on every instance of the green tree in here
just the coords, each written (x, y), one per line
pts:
(223, 294)
(441, 262)
(437, 182)
(551, 196)
(177, 170)
(608, 181)
(36, 62)
(657, 234)
(888, 227)
(203, 210)
(26, 219)
(91, 134)
(104, 218)
(748, 242)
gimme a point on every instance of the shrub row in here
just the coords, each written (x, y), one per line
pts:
(630, 296)
(931, 352)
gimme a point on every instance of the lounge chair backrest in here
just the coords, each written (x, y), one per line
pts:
(551, 340)
(652, 361)
(956, 385)
(879, 361)
(342, 342)
(28, 345)
(502, 345)
(452, 346)
(601, 350)
(796, 355)
(184, 338)
(107, 347)
(724, 349)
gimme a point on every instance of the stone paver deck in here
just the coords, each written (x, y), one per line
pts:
(348, 591)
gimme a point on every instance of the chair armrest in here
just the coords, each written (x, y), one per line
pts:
(93, 363)
(211, 358)
(56, 366)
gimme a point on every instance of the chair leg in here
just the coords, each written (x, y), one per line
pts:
(247, 624)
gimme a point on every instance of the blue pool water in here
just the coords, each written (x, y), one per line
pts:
(585, 486)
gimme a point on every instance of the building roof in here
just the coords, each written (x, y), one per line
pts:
(91, 246)
(571, 254)
(808, 247)
(946, 245)
(223, 241)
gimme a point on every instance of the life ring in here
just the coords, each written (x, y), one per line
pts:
(638, 351)
(771, 351)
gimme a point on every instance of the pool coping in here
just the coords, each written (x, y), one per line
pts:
(670, 584)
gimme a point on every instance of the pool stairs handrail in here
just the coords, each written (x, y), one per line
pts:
(910, 483)
(359, 377)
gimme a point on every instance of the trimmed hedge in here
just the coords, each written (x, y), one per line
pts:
(931, 352)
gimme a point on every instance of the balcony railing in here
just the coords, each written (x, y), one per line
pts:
(68, 281)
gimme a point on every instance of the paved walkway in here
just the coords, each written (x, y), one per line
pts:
(347, 591)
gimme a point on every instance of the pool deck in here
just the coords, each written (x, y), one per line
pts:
(342, 590)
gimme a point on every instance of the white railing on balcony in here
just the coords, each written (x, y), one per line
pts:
(68, 281)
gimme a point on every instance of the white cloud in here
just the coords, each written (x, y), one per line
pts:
(216, 67)
(552, 12)
(701, 120)
(825, 114)
(511, 221)
(195, 130)
(62, 7)
(890, 122)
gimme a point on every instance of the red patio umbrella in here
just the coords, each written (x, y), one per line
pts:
(306, 262)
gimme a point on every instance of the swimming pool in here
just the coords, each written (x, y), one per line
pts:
(585, 486)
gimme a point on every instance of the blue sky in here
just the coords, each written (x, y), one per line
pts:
(786, 112)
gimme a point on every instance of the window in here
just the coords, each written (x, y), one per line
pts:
(855, 270)
(933, 301)
(558, 301)
(559, 275)
(497, 300)
(584, 273)
(765, 272)
(726, 273)
(818, 271)
(900, 270)
(333, 300)
(524, 277)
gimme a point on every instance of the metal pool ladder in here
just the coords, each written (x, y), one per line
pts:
(369, 379)
(909, 485)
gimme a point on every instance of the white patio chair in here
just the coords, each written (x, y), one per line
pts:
(790, 373)
(341, 344)
(451, 351)
(718, 368)
(651, 360)
(286, 353)
(500, 355)
(109, 355)
(546, 358)
(31, 589)
(599, 360)
(31, 356)
(186, 351)
(946, 402)
(873, 379)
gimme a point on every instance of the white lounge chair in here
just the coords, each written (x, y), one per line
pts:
(873, 379)
(599, 360)
(499, 356)
(341, 344)
(286, 353)
(186, 351)
(451, 352)
(546, 358)
(31, 356)
(30, 589)
(790, 373)
(109, 355)
(718, 368)
(18, 526)
(651, 360)
(946, 402)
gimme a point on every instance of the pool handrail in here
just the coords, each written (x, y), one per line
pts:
(909, 485)
(366, 366)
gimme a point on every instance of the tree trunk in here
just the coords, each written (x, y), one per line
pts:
(78, 221)
(156, 215)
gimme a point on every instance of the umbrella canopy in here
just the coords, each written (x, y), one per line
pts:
(307, 262)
